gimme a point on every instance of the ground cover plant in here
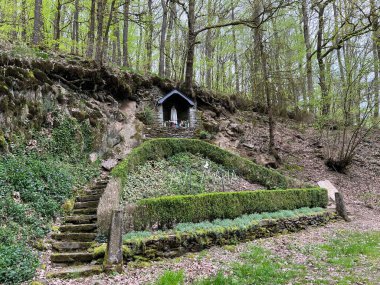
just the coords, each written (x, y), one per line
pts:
(34, 183)
(349, 258)
(156, 149)
(220, 225)
(181, 174)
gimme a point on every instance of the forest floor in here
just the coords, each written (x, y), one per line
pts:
(317, 255)
(302, 252)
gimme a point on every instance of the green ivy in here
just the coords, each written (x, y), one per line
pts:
(17, 263)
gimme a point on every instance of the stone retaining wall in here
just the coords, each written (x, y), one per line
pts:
(176, 245)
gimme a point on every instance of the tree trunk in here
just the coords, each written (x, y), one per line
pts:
(116, 43)
(75, 31)
(209, 48)
(190, 47)
(57, 25)
(99, 39)
(309, 68)
(376, 58)
(168, 44)
(321, 64)
(161, 66)
(91, 31)
(256, 80)
(107, 32)
(38, 23)
(24, 21)
(149, 39)
(269, 101)
(236, 63)
(125, 33)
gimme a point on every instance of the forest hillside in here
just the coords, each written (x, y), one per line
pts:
(184, 142)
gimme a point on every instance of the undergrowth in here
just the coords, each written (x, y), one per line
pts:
(347, 259)
(220, 225)
(34, 183)
(181, 174)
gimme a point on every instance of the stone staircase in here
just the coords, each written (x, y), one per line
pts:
(71, 256)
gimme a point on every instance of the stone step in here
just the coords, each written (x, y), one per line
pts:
(85, 205)
(85, 211)
(75, 271)
(93, 192)
(70, 246)
(83, 237)
(98, 187)
(71, 257)
(82, 228)
(80, 219)
(87, 198)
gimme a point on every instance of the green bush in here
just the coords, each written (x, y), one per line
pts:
(17, 263)
(156, 149)
(221, 225)
(146, 116)
(167, 211)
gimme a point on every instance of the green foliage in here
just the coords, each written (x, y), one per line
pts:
(259, 266)
(17, 263)
(204, 135)
(156, 149)
(346, 250)
(167, 211)
(146, 115)
(181, 174)
(33, 186)
(221, 225)
(171, 278)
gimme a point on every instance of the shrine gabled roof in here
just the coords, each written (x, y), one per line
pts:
(172, 93)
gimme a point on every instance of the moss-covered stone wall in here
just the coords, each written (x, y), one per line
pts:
(176, 245)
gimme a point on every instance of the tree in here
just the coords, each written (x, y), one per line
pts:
(38, 23)
(125, 32)
(161, 67)
(91, 31)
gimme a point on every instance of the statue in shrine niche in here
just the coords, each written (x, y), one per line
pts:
(173, 116)
(176, 110)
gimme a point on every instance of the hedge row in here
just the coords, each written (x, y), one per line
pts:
(168, 211)
(155, 149)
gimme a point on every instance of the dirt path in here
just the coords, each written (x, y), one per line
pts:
(209, 262)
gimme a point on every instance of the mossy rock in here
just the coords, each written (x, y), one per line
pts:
(99, 251)
(4, 90)
(68, 205)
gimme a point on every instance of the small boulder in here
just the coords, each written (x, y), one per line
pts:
(93, 157)
(267, 161)
(109, 164)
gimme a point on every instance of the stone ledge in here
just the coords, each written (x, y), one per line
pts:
(176, 245)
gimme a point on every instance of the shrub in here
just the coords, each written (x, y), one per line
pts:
(155, 149)
(17, 263)
(146, 116)
(167, 211)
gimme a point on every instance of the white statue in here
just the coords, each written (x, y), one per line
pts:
(173, 115)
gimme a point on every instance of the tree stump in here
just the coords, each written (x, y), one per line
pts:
(340, 207)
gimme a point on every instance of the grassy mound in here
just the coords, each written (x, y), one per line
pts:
(156, 149)
(181, 174)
